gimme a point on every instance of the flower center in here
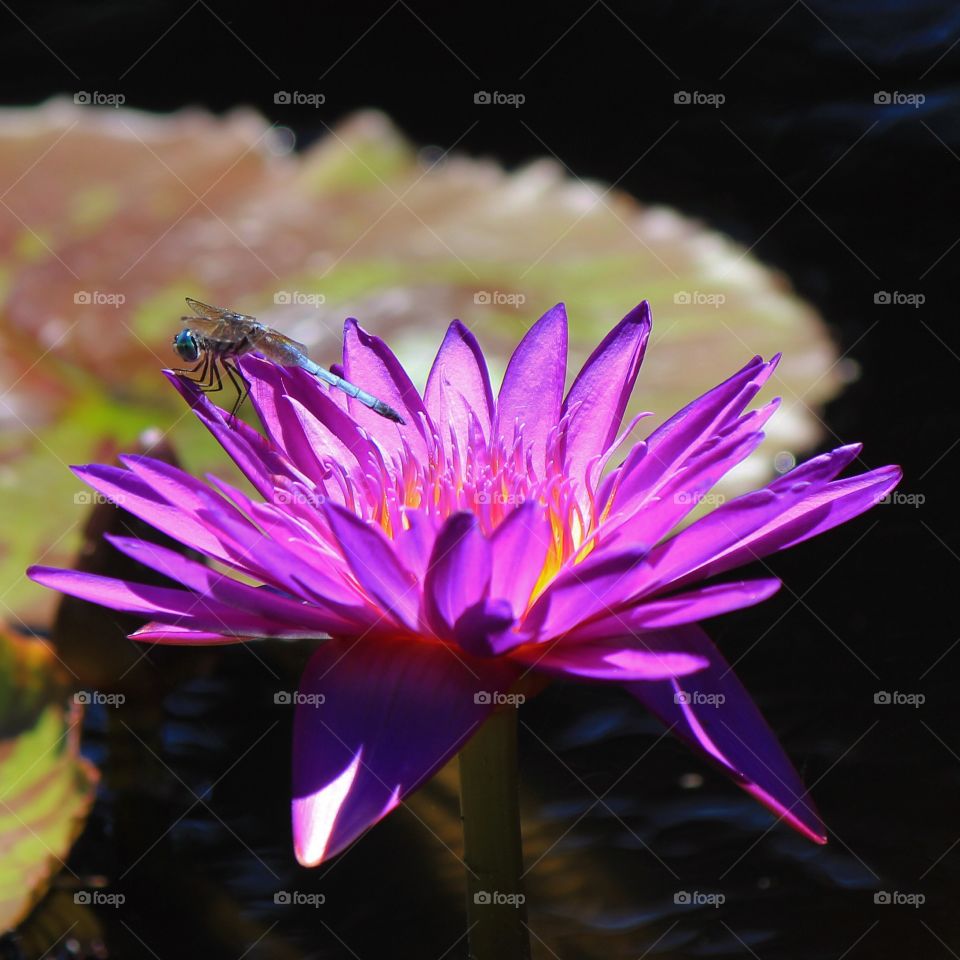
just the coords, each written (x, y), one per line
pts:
(489, 478)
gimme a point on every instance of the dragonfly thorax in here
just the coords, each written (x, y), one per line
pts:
(187, 346)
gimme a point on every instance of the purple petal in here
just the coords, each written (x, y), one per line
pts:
(375, 565)
(393, 713)
(689, 607)
(839, 502)
(666, 502)
(713, 713)
(458, 576)
(321, 618)
(258, 461)
(371, 365)
(414, 542)
(274, 551)
(819, 469)
(459, 386)
(483, 629)
(617, 661)
(179, 488)
(177, 607)
(692, 549)
(757, 524)
(168, 635)
(297, 384)
(520, 545)
(269, 396)
(533, 384)
(136, 496)
(683, 433)
(602, 389)
(598, 585)
(735, 523)
(335, 436)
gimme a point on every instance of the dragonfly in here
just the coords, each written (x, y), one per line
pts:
(215, 338)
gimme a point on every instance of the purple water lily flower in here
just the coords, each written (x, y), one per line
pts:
(483, 541)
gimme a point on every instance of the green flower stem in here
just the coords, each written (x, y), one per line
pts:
(493, 852)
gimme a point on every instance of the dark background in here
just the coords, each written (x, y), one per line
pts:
(849, 197)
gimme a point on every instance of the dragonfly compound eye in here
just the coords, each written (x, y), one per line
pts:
(185, 343)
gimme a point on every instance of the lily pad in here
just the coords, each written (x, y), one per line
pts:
(46, 787)
(117, 215)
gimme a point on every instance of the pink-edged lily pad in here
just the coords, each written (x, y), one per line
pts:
(116, 215)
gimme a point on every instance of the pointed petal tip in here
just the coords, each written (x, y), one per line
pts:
(169, 635)
(641, 313)
(364, 335)
(306, 849)
(847, 449)
(808, 823)
(303, 857)
(765, 589)
(558, 312)
(885, 480)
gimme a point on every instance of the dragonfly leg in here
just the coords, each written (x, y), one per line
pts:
(184, 372)
(208, 387)
(240, 383)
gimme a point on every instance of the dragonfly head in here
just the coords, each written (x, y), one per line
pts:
(187, 346)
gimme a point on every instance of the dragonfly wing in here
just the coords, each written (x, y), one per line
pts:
(287, 342)
(218, 323)
(284, 350)
(209, 312)
(206, 327)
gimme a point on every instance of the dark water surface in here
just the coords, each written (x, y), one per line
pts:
(620, 824)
